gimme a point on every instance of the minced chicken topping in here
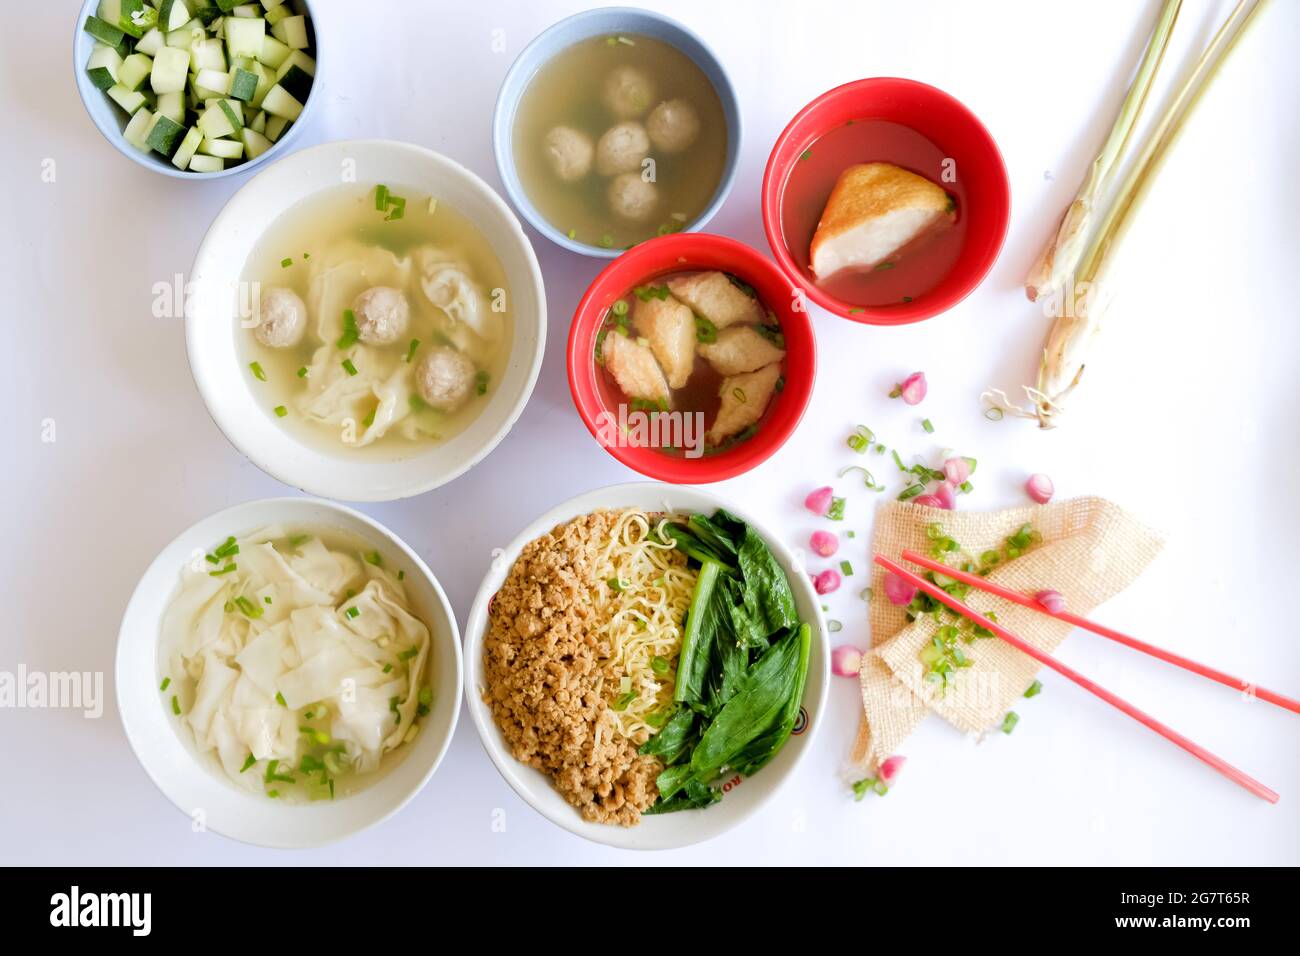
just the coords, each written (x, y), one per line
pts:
(545, 669)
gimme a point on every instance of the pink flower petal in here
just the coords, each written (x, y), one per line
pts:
(889, 768)
(828, 581)
(956, 470)
(913, 388)
(824, 543)
(1053, 601)
(846, 661)
(819, 501)
(898, 591)
(1040, 488)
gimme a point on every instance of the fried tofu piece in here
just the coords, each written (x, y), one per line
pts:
(670, 328)
(744, 400)
(874, 210)
(739, 349)
(716, 298)
(634, 368)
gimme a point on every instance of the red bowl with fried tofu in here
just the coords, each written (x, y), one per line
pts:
(850, 173)
(689, 360)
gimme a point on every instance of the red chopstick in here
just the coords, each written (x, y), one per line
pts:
(1196, 750)
(975, 581)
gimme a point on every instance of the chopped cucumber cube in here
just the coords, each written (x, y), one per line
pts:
(296, 82)
(269, 5)
(245, 10)
(275, 15)
(218, 81)
(244, 37)
(135, 17)
(227, 5)
(172, 105)
(129, 100)
(299, 59)
(275, 127)
(292, 32)
(203, 163)
(278, 102)
(103, 66)
(188, 147)
(173, 14)
(151, 43)
(225, 148)
(135, 68)
(209, 54)
(242, 84)
(234, 112)
(215, 122)
(254, 142)
(137, 130)
(259, 123)
(186, 36)
(104, 32)
(165, 135)
(171, 68)
(273, 52)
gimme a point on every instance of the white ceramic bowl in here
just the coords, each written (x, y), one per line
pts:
(195, 788)
(211, 323)
(672, 829)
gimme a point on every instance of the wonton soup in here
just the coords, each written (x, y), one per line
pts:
(698, 355)
(618, 139)
(373, 320)
(293, 662)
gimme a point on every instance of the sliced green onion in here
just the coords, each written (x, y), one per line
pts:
(176, 705)
(927, 425)
(349, 367)
(166, 682)
(411, 349)
(351, 613)
(226, 570)
(350, 331)
(250, 762)
(1009, 721)
(247, 607)
(285, 263)
(619, 307)
(836, 510)
(623, 700)
(302, 372)
(846, 569)
(1035, 689)
(375, 558)
(256, 368)
(280, 411)
(370, 418)
(381, 197)
(659, 665)
(407, 654)
(279, 699)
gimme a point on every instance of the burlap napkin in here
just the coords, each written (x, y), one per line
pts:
(1091, 550)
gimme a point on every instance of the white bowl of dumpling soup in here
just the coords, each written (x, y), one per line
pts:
(288, 672)
(365, 320)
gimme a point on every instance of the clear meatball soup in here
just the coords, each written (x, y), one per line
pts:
(377, 321)
(691, 364)
(618, 139)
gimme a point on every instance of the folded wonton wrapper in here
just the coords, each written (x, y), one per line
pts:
(1091, 550)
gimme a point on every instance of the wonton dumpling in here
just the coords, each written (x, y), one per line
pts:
(634, 368)
(462, 310)
(874, 210)
(744, 400)
(717, 298)
(670, 328)
(343, 273)
(740, 349)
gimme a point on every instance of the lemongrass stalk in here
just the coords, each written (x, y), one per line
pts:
(1060, 256)
(1064, 355)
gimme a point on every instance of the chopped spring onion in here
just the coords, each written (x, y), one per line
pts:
(226, 570)
(248, 763)
(411, 350)
(350, 331)
(279, 699)
(623, 700)
(619, 307)
(176, 705)
(375, 558)
(247, 607)
(302, 372)
(836, 511)
(280, 411)
(407, 654)
(1035, 689)
(349, 367)
(846, 568)
(1009, 721)
(352, 612)
(928, 426)
(165, 683)
(659, 665)
(285, 263)
(381, 197)
(256, 368)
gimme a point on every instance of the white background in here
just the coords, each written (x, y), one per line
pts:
(1188, 418)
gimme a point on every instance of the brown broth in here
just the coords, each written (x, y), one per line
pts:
(918, 267)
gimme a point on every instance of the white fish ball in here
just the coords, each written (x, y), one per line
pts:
(621, 149)
(445, 378)
(628, 92)
(631, 197)
(673, 126)
(382, 314)
(282, 318)
(569, 151)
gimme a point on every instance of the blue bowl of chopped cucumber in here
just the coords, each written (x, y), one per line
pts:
(197, 88)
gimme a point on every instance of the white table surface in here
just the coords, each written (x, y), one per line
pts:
(1188, 418)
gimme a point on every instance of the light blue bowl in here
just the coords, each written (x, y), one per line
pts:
(111, 121)
(608, 21)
